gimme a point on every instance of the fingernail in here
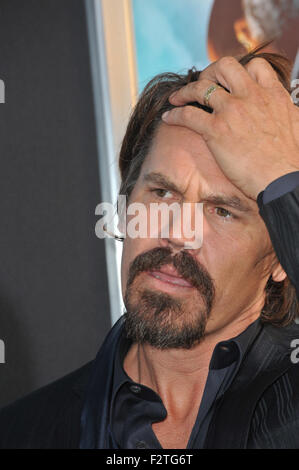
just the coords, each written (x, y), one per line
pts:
(164, 115)
(172, 95)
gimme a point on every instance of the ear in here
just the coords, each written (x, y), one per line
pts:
(278, 273)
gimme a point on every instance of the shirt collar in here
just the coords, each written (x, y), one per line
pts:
(234, 349)
(224, 354)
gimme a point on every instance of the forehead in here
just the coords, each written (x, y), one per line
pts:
(179, 151)
(181, 158)
(184, 158)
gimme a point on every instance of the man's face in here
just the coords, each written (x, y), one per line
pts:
(214, 285)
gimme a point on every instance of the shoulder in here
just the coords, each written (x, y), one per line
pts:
(48, 417)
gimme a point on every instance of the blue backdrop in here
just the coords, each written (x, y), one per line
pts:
(171, 36)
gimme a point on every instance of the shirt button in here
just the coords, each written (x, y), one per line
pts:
(224, 348)
(135, 388)
(141, 445)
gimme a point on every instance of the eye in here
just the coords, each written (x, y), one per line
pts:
(223, 213)
(162, 193)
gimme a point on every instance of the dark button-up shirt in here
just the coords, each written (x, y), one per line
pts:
(134, 407)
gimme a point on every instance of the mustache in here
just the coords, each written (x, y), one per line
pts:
(190, 269)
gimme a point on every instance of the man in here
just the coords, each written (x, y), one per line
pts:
(203, 357)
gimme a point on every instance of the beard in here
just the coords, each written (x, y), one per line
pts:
(162, 320)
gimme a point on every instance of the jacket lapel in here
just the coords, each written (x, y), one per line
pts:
(268, 359)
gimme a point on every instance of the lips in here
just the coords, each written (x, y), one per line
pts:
(170, 275)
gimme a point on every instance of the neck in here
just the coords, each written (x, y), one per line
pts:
(178, 376)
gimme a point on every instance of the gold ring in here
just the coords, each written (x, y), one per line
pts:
(208, 93)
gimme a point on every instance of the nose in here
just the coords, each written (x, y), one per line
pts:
(185, 229)
(175, 245)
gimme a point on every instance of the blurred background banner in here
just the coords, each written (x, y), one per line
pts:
(174, 35)
(72, 71)
(171, 35)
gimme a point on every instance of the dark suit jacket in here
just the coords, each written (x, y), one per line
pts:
(259, 410)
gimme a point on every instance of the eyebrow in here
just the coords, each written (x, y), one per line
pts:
(231, 201)
(218, 199)
(159, 178)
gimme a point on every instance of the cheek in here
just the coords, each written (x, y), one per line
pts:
(131, 249)
(223, 246)
(230, 255)
(240, 237)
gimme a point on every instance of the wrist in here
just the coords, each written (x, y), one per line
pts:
(273, 177)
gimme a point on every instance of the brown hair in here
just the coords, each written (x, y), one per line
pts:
(281, 305)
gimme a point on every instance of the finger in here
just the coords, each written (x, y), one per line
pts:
(200, 91)
(191, 117)
(262, 72)
(229, 73)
